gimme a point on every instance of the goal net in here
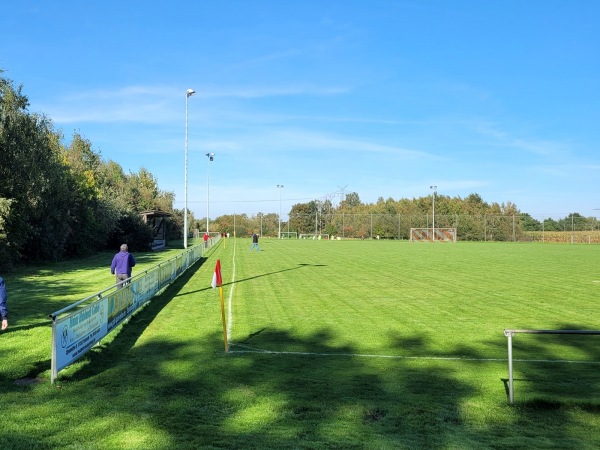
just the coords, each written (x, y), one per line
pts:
(433, 234)
(313, 236)
(289, 235)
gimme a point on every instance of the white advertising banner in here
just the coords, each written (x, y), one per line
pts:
(78, 332)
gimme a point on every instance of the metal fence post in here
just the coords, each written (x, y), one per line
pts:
(511, 390)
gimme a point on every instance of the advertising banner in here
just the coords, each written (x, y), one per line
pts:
(78, 332)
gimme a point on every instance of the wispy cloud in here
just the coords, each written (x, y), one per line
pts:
(294, 140)
(143, 104)
(158, 104)
(535, 146)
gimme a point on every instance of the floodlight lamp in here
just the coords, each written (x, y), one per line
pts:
(211, 156)
(190, 92)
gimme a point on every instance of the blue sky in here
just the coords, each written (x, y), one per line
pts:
(383, 98)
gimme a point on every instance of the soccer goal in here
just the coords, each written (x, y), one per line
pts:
(313, 236)
(433, 234)
(288, 235)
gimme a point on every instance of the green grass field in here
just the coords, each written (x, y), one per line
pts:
(333, 344)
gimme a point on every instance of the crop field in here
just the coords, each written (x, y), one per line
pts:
(332, 344)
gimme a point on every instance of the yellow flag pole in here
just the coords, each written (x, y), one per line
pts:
(223, 318)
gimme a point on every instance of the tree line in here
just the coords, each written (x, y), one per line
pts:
(62, 200)
(474, 218)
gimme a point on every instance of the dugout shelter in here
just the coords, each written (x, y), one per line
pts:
(158, 221)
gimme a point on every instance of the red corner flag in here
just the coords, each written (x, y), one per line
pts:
(217, 280)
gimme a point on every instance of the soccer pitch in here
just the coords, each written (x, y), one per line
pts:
(333, 344)
(399, 299)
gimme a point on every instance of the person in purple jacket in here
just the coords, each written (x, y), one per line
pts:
(121, 265)
(3, 308)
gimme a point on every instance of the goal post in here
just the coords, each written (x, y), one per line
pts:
(511, 333)
(313, 236)
(433, 234)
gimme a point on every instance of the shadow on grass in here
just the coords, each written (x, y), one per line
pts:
(193, 395)
(241, 280)
(323, 397)
(204, 398)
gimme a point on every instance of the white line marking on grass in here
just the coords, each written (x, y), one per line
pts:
(443, 358)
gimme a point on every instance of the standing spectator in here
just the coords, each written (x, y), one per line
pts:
(121, 265)
(205, 240)
(255, 242)
(3, 308)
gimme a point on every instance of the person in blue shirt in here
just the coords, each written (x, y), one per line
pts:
(121, 265)
(3, 307)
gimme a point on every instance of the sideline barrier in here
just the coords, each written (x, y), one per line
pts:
(81, 325)
(510, 333)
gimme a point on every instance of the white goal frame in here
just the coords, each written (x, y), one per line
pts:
(288, 235)
(314, 236)
(433, 234)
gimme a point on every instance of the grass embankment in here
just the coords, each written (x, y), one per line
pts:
(365, 344)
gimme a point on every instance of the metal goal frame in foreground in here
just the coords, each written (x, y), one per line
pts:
(510, 333)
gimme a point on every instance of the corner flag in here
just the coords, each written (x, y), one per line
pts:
(217, 280)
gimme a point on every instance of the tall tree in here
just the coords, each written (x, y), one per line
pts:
(32, 176)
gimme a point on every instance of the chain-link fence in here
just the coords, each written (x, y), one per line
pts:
(506, 228)
(514, 228)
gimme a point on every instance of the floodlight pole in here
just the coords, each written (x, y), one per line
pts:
(210, 157)
(434, 188)
(188, 94)
(280, 187)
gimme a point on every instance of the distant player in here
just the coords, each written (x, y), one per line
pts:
(255, 243)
